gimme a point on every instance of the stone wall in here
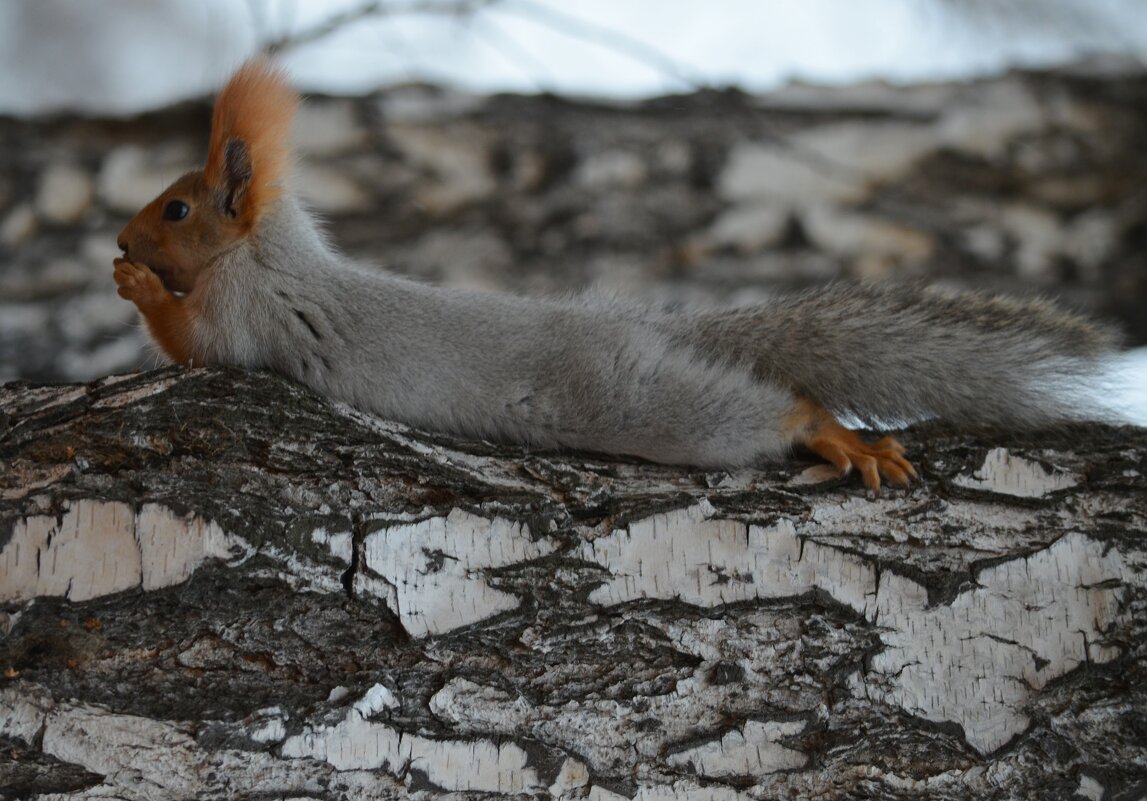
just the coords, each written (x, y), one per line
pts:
(1029, 182)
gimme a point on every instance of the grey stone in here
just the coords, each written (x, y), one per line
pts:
(91, 316)
(986, 241)
(674, 157)
(125, 353)
(756, 172)
(327, 128)
(836, 163)
(747, 228)
(329, 189)
(23, 318)
(1089, 239)
(990, 117)
(1037, 236)
(868, 96)
(61, 275)
(422, 104)
(881, 242)
(19, 226)
(64, 194)
(98, 251)
(131, 176)
(458, 160)
(613, 169)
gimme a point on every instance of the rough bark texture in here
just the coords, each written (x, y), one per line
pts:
(218, 585)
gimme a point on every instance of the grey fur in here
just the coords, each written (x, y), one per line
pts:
(888, 355)
(708, 388)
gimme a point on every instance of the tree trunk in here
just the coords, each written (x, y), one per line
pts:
(218, 585)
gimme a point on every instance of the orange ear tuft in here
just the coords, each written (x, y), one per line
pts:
(249, 153)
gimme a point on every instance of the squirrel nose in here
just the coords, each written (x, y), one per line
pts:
(121, 243)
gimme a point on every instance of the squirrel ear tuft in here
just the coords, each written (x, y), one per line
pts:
(249, 154)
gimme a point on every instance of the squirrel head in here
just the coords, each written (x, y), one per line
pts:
(207, 212)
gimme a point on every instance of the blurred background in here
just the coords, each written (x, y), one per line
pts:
(687, 152)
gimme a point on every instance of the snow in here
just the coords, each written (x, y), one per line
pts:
(60, 49)
(1128, 395)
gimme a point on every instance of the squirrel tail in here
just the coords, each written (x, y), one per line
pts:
(888, 356)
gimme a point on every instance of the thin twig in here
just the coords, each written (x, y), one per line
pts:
(649, 55)
(607, 37)
(566, 24)
(507, 47)
(375, 8)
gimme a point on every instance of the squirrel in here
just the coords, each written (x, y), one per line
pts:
(227, 267)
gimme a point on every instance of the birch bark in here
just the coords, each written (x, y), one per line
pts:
(217, 585)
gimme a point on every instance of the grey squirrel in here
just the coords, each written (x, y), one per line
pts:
(226, 267)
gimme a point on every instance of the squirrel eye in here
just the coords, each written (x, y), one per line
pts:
(175, 210)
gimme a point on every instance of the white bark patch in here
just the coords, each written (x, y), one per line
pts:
(377, 698)
(686, 555)
(21, 714)
(298, 572)
(469, 706)
(961, 525)
(436, 567)
(571, 776)
(604, 733)
(87, 552)
(750, 751)
(8, 621)
(479, 765)
(46, 397)
(125, 747)
(1090, 788)
(339, 543)
(977, 660)
(680, 791)
(1013, 475)
(97, 548)
(125, 398)
(270, 730)
(974, 661)
(172, 546)
(142, 759)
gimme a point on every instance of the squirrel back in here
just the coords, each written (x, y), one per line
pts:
(227, 267)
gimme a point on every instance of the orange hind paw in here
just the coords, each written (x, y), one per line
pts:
(845, 450)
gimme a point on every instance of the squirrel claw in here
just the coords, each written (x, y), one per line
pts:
(845, 450)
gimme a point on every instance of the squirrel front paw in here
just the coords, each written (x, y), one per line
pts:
(137, 283)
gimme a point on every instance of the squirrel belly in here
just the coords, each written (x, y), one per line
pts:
(226, 267)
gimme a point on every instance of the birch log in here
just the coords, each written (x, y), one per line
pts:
(218, 585)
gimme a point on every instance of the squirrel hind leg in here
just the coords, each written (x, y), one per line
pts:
(822, 434)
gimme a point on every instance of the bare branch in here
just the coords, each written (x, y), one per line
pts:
(375, 8)
(607, 37)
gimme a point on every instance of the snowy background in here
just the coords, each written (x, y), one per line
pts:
(134, 55)
(131, 55)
